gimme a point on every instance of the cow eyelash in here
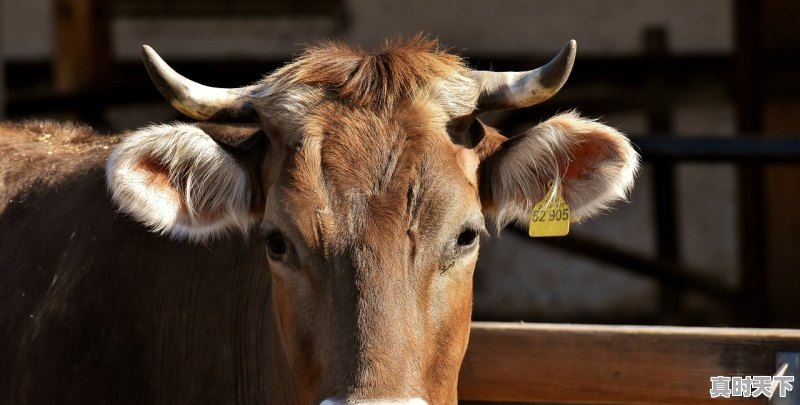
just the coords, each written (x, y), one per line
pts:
(468, 237)
(276, 244)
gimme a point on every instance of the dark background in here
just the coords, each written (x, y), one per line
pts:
(708, 90)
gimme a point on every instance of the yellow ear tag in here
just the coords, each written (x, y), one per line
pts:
(550, 216)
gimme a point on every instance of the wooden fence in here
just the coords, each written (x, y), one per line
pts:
(598, 364)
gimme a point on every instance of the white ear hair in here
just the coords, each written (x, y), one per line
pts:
(594, 163)
(178, 181)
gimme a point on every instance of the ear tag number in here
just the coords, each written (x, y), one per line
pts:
(550, 216)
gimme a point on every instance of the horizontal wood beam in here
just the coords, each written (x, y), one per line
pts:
(599, 364)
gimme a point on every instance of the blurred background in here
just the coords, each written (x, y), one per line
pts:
(708, 90)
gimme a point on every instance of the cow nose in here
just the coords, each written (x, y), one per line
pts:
(408, 401)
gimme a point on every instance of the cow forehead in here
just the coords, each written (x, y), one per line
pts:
(366, 140)
(355, 170)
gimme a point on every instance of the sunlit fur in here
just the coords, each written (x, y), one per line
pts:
(29, 152)
(412, 401)
(395, 73)
(368, 192)
(517, 176)
(352, 166)
(176, 180)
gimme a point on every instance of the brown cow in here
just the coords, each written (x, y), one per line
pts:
(367, 179)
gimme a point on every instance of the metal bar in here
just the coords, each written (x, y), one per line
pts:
(667, 235)
(659, 114)
(670, 273)
(717, 150)
(80, 101)
(752, 304)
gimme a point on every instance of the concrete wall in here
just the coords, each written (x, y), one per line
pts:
(607, 27)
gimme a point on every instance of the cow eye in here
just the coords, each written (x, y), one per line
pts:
(467, 237)
(276, 244)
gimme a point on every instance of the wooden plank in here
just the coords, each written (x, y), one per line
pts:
(597, 364)
(83, 52)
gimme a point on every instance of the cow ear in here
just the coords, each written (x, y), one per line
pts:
(594, 163)
(177, 180)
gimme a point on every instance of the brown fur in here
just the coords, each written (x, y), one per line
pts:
(95, 309)
(367, 186)
(55, 150)
(379, 79)
(360, 178)
(375, 229)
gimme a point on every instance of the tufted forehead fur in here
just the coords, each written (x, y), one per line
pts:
(396, 73)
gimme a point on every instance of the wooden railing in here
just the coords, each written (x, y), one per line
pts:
(591, 364)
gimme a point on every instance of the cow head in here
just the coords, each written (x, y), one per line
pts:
(371, 181)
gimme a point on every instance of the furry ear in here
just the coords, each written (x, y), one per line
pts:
(178, 181)
(594, 163)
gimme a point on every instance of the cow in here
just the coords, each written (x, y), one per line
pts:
(309, 239)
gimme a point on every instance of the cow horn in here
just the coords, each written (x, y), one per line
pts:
(196, 100)
(505, 90)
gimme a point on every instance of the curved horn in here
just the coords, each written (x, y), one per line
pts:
(505, 90)
(196, 100)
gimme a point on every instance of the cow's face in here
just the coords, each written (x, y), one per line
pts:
(370, 182)
(372, 224)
